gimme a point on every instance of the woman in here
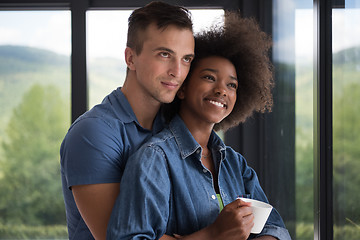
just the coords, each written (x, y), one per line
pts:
(178, 181)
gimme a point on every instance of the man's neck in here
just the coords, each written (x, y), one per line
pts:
(145, 110)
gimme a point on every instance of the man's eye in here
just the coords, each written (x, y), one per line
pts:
(164, 54)
(188, 59)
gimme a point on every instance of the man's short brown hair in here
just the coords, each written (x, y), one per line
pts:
(159, 13)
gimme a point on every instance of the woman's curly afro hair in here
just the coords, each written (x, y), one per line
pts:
(242, 42)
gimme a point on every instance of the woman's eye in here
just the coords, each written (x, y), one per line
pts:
(233, 85)
(209, 77)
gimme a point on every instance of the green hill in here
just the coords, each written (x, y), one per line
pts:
(21, 67)
(27, 59)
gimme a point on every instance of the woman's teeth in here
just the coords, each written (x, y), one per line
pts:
(217, 103)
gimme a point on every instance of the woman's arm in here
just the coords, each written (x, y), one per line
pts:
(266, 238)
(233, 223)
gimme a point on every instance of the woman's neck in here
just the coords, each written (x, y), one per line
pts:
(199, 130)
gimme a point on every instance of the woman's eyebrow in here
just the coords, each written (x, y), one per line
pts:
(210, 70)
(234, 78)
(216, 71)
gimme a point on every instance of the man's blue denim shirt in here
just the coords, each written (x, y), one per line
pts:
(95, 151)
(166, 189)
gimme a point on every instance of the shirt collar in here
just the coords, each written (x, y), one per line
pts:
(187, 143)
(121, 105)
(125, 113)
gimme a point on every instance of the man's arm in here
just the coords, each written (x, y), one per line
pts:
(95, 202)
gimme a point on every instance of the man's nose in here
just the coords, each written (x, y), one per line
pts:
(175, 68)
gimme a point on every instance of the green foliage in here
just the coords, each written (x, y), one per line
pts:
(31, 232)
(346, 141)
(346, 165)
(304, 177)
(20, 68)
(30, 189)
(347, 232)
(304, 231)
(304, 193)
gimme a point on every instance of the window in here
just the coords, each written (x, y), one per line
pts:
(281, 146)
(292, 125)
(35, 115)
(346, 118)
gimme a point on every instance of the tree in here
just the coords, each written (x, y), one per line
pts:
(346, 155)
(30, 184)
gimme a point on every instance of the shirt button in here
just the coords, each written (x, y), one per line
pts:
(213, 197)
(198, 151)
(204, 170)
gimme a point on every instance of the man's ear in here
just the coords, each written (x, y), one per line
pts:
(129, 58)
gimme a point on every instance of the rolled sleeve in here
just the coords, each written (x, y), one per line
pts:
(91, 154)
(275, 231)
(141, 211)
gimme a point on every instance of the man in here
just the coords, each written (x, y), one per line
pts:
(94, 152)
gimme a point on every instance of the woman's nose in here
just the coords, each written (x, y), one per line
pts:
(220, 90)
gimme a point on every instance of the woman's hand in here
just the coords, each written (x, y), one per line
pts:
(234, 222)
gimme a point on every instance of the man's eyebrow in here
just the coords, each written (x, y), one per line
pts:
(190, 55)
(171, 51)
(163, 49)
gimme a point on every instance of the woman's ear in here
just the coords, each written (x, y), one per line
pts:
(181, 93)
(129, 58)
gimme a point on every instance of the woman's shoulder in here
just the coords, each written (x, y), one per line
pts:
(163, 138)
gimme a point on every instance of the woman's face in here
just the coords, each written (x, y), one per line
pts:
(209, 94)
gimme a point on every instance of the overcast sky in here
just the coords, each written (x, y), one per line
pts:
(107, 30)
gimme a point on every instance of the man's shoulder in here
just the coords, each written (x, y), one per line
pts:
(105, 114)
(93, 123)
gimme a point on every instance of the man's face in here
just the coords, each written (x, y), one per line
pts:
(164, 62)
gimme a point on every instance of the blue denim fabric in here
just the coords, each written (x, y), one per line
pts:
(165, 188)
(95, 150)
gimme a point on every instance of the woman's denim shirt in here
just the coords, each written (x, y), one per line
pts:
(166, 189)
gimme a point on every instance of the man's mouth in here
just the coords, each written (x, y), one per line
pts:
(170, 85)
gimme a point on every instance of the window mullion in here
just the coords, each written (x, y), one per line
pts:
(323, 161)
(79, 99)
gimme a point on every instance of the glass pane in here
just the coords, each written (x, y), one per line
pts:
(34, 117)
(346, 118)
(292, 55)
(106, 45)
